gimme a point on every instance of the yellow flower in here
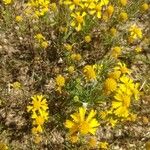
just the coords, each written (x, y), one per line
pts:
(135, 32)
(103, 145)
(123, 16)
(87, 39)
(6, 2)
(39, 120)
(122, 67)
(110, 10)
(89, 72)
(38, 7)
(44, 44)
(60, 81)
(76, 57)
(19, 18)
(116, 51)
(121, 104)
(95, 8)
(138, 49)
(71, 69)
(115, 75)
(39, 37)
(123, 2)
(78, 20)
(82, 124)
(110, 85)
(113, 31)
(68, 46)
(144, 7)
(38, 104)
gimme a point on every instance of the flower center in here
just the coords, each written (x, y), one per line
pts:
(126, 101)
(97, 8)
(84, 127)
(37, 105)
(79, 19)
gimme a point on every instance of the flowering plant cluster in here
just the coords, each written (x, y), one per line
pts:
(82, 55)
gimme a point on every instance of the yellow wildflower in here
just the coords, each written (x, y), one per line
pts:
(122, 67)
(113, 31)
(110, 85)
(68, 46)
(138, 49)
(127, 81)
(95, 8)
(116, 51)
(89, 72)
(123, 16)
(81, 124)
(135, 32)
(110, 10)
(60, 81)
(71, 69)
(78, 20)
(39, 37)
(144, 7)
(19, 18)
(87, 39)
(39, 7)
(121, 104)
(44, 44)
(123, 2)
(39, 103)
(76, 57)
